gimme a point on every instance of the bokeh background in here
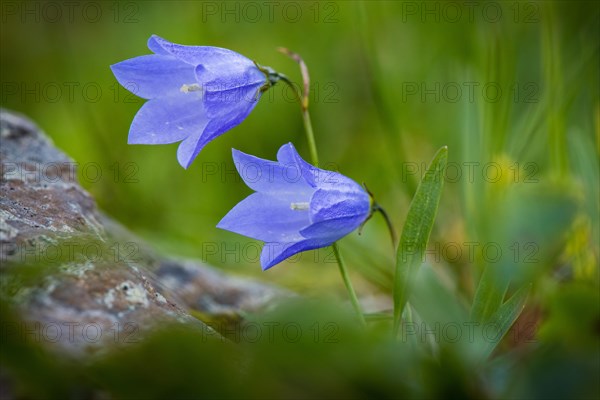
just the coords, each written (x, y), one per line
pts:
(512, 88)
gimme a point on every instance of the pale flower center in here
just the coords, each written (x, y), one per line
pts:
(299, 206)
(190, 88)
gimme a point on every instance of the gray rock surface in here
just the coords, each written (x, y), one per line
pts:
(87, 283)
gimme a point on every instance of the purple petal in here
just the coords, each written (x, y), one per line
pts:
(213, 58)
(271, 177)
(274, 253)
(287, 155)
(168, 120)
(227, 110)
(235, 92)
(339, 203)
(267, 218)
(219, 68)
(217, 125)
(334, 180)
(315, 176)
(153, 76)
(333, 229)
(224, 77)
(189, 149)
(154, 44)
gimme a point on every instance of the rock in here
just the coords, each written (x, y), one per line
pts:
(81, 289)
(212, 292)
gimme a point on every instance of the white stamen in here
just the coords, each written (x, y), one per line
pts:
(190, 88)
(299, 206)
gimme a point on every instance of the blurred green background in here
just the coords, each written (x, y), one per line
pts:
(512, 88)
(515, 84)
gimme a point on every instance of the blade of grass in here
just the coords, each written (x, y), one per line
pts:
(489, 295)
(504, 318)
(415, 234)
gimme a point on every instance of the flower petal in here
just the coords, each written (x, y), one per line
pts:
(226, 112)
(189, 149)
(315, 176)
(229, 116)
(334, 180)
(168, 120)
(271, 177)
(239, 101)
(267, 218)
(219, 68)
(213, 58)
(274, 253)
(332, 229)
(287, 155)
(155, 45)
(339, 202)
(153, 76)
(224, 77)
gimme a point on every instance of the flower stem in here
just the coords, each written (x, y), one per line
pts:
(310, 136)
(303, 98)
(348, 283)
(388, 222)
(312, 145)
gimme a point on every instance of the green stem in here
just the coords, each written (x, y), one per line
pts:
(312, 144)
(310, 136)
(348, 283)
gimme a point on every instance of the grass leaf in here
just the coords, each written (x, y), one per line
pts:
(415, 233)
(505, 316)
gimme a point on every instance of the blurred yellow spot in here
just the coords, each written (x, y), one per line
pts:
(579, 251)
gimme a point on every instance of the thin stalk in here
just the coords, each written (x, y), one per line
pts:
(312, 145)
(303, 100)
(388, 222)
(348, 283)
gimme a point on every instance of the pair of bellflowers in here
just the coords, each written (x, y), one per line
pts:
(195, 94)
